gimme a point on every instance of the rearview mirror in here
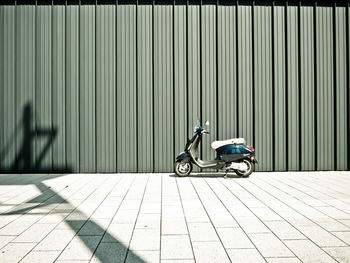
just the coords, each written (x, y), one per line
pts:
(207, 123)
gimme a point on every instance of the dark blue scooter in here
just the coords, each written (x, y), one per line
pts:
(232, 155)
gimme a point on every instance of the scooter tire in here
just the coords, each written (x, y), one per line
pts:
(250, 170)
(179, 172)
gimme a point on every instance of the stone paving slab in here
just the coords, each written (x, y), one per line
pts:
(269, 217)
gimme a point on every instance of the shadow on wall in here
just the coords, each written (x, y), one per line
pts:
(23, 162)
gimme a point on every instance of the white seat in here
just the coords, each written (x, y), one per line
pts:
(218, 144)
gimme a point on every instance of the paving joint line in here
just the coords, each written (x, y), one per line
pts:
(57, 224)
(183, 211)
(87, 218)
(138, 213)
(35, 206)
(288, 221)
(211, 222)
(217, 179)
(307, 216)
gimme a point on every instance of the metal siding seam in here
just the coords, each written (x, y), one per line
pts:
(335, 84)
(315, 82)
(153, 92)
(253, 73)
(2, 85)
(347, 85)
(286, 83)
(273, 83)
(52, 89)
(136, 89)
(216, 73)
(95, 80)
(79, 82)
(237, 73)
(299, 90)
(116, 86)
(65, 84)
(15, 82)
(187, 100)
(200, 74)
(173, 91)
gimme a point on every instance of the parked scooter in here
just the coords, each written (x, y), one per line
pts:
(232, 155)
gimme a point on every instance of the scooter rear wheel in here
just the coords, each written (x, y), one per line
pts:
(251, 168)
(182, 169)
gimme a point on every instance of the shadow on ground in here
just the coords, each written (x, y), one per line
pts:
(210, 175)
(26, 162)
(49, 197)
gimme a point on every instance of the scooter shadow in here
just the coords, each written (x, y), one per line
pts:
(210, 175)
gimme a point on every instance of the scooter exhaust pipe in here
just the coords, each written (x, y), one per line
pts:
(238, 166)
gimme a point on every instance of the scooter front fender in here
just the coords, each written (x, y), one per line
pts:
(183, 157)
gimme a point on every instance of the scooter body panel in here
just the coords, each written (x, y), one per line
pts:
(233, 152)
(184, 156)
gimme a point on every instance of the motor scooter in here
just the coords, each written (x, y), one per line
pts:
(232, 155)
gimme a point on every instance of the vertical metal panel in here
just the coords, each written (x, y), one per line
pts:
(293, 102)
(180, 87)
(227, 72)
(7, 87)
(263, 86)
(280, 87)
(105, 89)
(72, 87)
(87, 89)
(209, 77)
(341, 53)
(325, 86)
(307, 88)
(59, 87)
(126, 88)
(293, 80)
(104, 114)
(245, 74)
(144, 88)
(163, 88)
(43, 87)
(193, 68)
(25, 87)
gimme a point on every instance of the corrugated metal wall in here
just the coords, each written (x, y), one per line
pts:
(117, 87)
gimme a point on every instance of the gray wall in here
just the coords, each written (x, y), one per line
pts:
(118, 88)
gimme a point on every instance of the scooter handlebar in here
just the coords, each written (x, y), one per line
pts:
(204, 131)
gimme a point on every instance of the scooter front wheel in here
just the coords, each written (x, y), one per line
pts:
(251, 168)
(182, 169)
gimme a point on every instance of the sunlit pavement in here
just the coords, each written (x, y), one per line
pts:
(269, 217)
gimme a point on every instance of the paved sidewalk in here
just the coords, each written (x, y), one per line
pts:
(269, 217)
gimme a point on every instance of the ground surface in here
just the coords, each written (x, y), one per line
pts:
(273, 217)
